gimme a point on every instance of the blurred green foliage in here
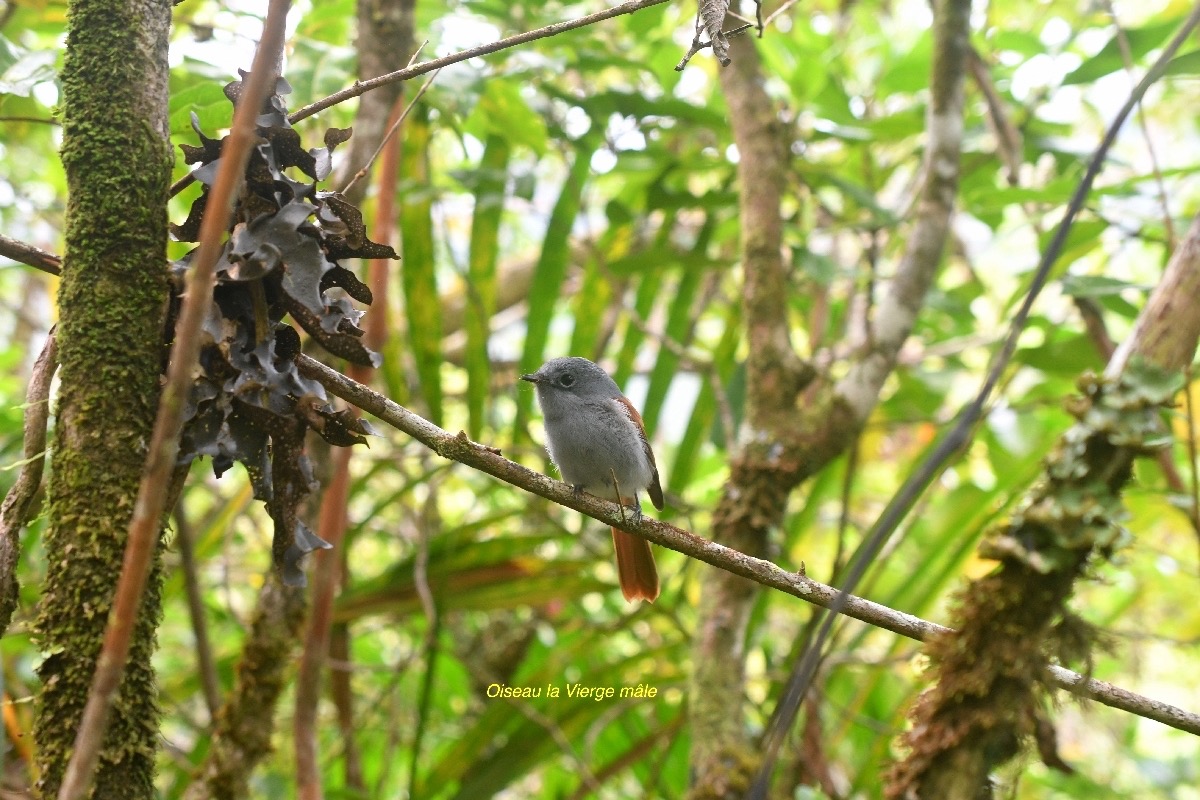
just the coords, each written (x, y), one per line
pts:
(586, 169)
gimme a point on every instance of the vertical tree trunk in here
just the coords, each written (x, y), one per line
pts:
(787, 441)
(116, 152)
(722, 757)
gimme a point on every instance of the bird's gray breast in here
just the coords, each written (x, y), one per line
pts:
(595, 442)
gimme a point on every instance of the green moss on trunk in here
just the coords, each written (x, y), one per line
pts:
(117, 159)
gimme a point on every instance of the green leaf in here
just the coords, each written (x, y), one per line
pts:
(550, 272)
(1068, 355)
(681, 319)
(909, 72)
(501, 111)
(1186, 64)
(421, 301)
(1140, 40)
(207, 101)
(21, 69)
(1096, 286)
(481, 275)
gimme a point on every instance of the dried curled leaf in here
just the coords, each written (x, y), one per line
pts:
(712, 17)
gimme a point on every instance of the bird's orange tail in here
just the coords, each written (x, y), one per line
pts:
(635, 566)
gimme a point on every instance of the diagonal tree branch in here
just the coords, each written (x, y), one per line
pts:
(459, 448)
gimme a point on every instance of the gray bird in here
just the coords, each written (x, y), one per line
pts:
(598, 442)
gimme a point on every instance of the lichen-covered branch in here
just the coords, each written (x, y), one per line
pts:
(127, 617)
(990, 675)
(767, 468)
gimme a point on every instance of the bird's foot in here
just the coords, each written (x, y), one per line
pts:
(637, 510)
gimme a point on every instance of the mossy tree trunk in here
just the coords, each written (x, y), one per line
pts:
(116, 152)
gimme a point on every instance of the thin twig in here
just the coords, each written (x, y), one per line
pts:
(361, 87)
(14, 512)
(588, 780)
(332, 528)
(391, 132)
(408, 73)
(698, 45)
(184, 535)
(1008, 138)
(486, 459)
(164, 445)
(777, 12)
(1127, 59)
(586, 777)
(632, 755)
(341, 691)
(29, 255)
(38, 120)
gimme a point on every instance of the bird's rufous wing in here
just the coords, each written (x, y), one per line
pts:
(655, 488)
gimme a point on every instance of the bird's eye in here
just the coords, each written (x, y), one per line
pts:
(566, 380)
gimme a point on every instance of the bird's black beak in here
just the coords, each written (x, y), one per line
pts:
(530, 378)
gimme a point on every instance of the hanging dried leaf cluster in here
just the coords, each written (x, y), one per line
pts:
(249, 403)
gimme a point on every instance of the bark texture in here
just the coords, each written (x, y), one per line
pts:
(111, 302)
